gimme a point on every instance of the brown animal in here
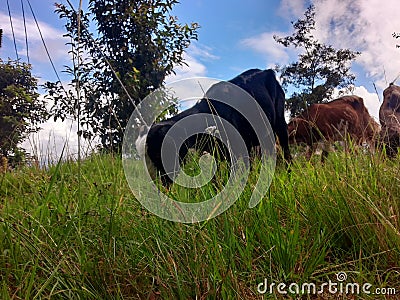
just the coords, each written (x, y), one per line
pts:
(333, 121)
(389, 117)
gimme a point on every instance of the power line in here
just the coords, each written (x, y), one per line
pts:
(44, 44)
(12, 30)
(84, 29)
(47, 51)
(26, 34)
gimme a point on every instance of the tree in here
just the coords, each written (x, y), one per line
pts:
(319, 69)
(137, 43)
(21, 110)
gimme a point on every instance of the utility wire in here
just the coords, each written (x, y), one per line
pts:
(82, 28)
(111, 67)
(394, 80)
(12, 30)
(26, 34)
(47, 51)
(44, 44)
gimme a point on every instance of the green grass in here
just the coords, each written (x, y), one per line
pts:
(65, 236)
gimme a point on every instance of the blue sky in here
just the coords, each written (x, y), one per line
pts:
(235, 35)
(224, 24)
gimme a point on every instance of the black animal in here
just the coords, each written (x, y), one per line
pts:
(260, 84)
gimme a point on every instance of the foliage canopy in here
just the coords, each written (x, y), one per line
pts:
(319, 70)
(136, 45)
(21, 110)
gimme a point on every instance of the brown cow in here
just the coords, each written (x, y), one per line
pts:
(389, 117)
(333, 121)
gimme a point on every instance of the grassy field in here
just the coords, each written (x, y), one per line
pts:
(76, 232)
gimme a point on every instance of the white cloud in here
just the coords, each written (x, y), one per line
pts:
(54, 39)
(366, 26)
(371, 101)
(290, 8)
(202, 52)
(363, 25)
(48, 143)
(265, 44)
(193, 68)
(193, 57)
